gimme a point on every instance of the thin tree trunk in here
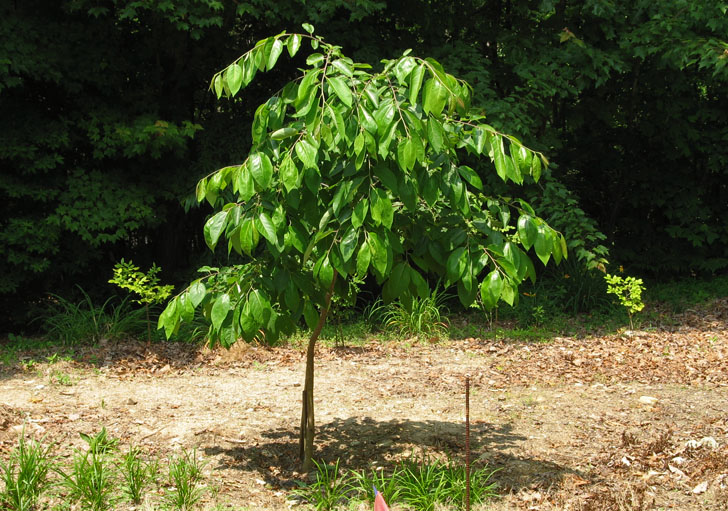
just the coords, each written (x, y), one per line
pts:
(308, 423)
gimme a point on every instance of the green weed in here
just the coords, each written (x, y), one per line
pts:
(25, 475)
(137, 474)
(330, 489)
(91, 480)
(185, 472)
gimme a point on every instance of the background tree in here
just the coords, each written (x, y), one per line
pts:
(355, 171)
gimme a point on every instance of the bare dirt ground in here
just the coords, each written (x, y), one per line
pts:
(632, 421)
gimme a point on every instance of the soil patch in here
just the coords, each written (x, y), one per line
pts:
(632, 421)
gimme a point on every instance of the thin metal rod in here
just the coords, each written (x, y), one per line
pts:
(467, 443)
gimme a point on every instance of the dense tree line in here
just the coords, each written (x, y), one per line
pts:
(107, 121)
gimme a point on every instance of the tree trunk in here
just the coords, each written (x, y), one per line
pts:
(308, 423)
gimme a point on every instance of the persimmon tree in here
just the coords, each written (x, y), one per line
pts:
(353, 172)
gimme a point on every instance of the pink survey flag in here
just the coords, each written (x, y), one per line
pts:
(379, 504)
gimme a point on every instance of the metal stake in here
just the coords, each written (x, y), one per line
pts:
(467, 443)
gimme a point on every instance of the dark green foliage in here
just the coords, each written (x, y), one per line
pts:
(103, 104)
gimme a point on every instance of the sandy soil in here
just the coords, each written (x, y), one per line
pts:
(599, 423)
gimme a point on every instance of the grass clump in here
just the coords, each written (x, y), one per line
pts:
(84, 322)
(185, 473)
(25, 475)
(419, 483)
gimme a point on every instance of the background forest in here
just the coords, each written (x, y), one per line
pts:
(107, 123)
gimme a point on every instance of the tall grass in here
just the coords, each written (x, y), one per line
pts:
(84, 322)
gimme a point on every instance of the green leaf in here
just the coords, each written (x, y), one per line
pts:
(360, 213)
(349, 242)
(234, 78)
(382, 210)
(310, 315)
(490, 289)
(536, 167)
(307, 27)
(543, 243)
(343, 67)
(266, 228)
(416, 83)
(261, 169)
(471, 176)
(456, 264)
(217, 83)
(527, 230)
(387, 177)
(341, 89)
(363, 258)
(197, 293)
(283, 133)
(249, 237)
(406, 154)
(214, 227)
(169, 318)
(294, 43)
(289, 174)
(399, 281)
(434, 97)
(378, 254)
(245, 186)
(220, 310)
(435, 134)
(307, 153)
(275, 52)
(323, 271)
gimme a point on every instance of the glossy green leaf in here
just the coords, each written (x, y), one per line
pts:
(261, 169)
(527, 231)
(434, 97)
(457, 261)
(307, 27)
(378, 253)
(244, 185)
(260, 307)
(416, 83)
(248, 237)
(490, 289)
(343, 67)
(283, 133)
(363, 258)
(275, 52)
(266, 228)
(220, 309)
(382, 210)
(360, 213)
(234, 78)
(214, 227)
(289, 174)
(307, 153)
(471, 176)
(169, 318)
(217, 83)
(293, 44)
(197, 293)
(536, 167)
(435, 135)
(349, 243)
(310, 314)
(543, 243)
(341, 89)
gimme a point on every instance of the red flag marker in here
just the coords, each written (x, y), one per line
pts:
(379, 504)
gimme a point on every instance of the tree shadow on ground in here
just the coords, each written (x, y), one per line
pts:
(364, 444)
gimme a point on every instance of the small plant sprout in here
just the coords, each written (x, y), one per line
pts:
(629, 291)
(145, 285)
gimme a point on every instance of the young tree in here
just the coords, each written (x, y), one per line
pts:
(353, 172)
